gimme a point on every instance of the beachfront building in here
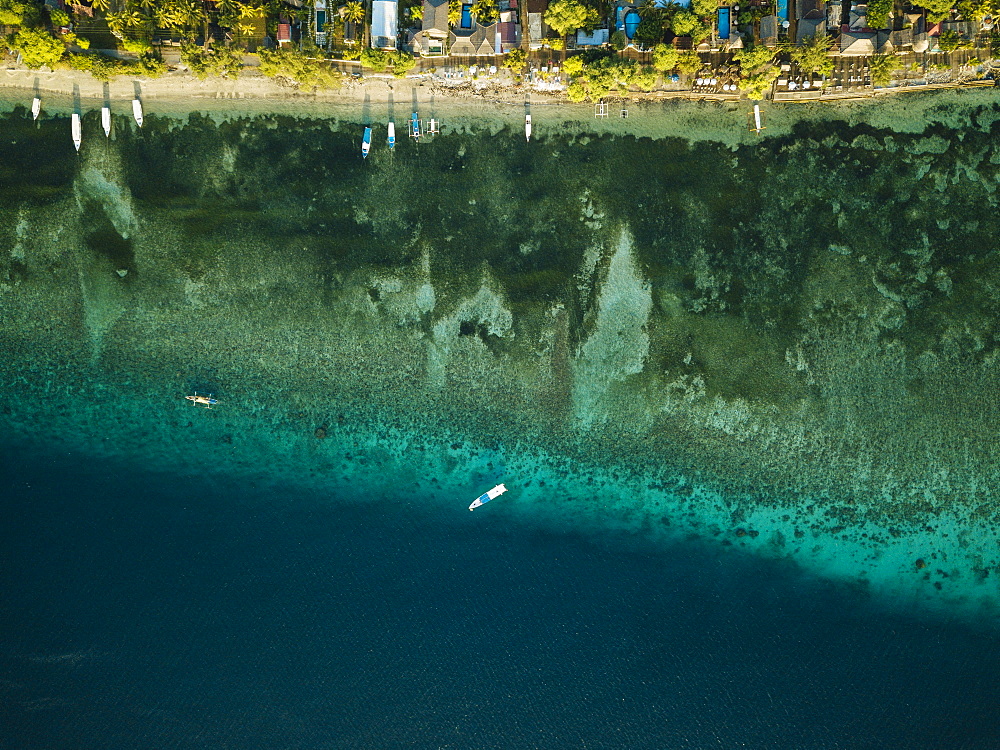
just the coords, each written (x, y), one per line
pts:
(319, 22)
(472, 39)
(811, 19)
(383, 29)
(432, 39)
(591, 39)
(537, 28)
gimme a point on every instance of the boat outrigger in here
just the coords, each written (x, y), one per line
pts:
(483, 499)
(206, 401)
(366, 143)
(392, 135)
(76, 130)
(527, 128)
(137, 111)
(106, 120)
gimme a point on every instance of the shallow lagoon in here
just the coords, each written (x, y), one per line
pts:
(782, 349)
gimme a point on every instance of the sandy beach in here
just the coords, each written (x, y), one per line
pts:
(486, 107)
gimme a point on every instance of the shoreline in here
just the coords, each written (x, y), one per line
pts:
(373, 99)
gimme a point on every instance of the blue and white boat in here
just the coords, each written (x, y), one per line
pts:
(392, 135)
(483, 499)
(366, 143)
(414, 126)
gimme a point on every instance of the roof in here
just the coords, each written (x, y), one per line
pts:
(810, 27)
(478, 42)
(537, 6)
(810, 9)
(383, 29)
(594, 39)
(435, 17)
(857, 43)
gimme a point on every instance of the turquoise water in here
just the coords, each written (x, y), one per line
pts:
(742, 399)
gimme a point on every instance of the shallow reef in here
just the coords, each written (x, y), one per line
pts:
(804, 328)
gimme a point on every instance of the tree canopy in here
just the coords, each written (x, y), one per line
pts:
(813, 55)
(565, 16)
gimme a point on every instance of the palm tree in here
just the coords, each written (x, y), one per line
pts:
(354, 12)
(101, 5)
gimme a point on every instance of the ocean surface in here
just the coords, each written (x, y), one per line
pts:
(747, 436)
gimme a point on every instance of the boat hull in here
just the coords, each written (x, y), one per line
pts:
(487, 496)
(106, 120)
(392, 135)
(527, 127)
(366, 143)
(76, 130)
(137, 111)
(36, 108)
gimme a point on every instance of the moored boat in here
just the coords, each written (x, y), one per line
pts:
(392, 134)
(366, 143)
(486, 497)
(137, 111)
(414, 126)
(76, 130)
(527, 128)
(106, 120)
(36, 108)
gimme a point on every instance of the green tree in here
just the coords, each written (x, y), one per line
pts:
(665, 57)
(645, 78)
(375, 59)
(454, 12)
(402, 63)
(756, 84)
(950, 40)
(514, 60)
(689, 62)
(290, 65)
(878, 13)
(38, 47)
(484, 11)
(975, 10)
(937, 10)
(564, 16)
(880, 68)
(12, 12)
(752, 57)
(684, 22)
(704, 8)
(618, 40)
(102, 5)
(573, 66)
(354, 12)
(58, 17)
(813, 55)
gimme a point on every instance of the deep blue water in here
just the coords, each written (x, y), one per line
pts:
(148, 611)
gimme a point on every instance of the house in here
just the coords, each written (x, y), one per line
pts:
(811, 15)
(383, 29)
(537, 28)
(596, 38)
(432, 39)
(471, 39)
(854, 43)
(510, 38)
(319, 22)
(769, 30)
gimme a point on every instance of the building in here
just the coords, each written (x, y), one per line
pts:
(432, 39)
(595, 38)
(811, 15)
(383, 30)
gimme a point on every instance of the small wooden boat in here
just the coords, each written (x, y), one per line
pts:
(206, 401)
(137, 111)
(106, 120)
(392, 135)
(527, 128)
(366, 143)
(76, 130)
(36, 108)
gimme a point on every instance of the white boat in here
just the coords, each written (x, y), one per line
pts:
(137, 111)
(527, 127)
(36, 108)
(77, 131)
(392, 134)
(106, 120)
(366, 143)
(758, 123)
(485, 498)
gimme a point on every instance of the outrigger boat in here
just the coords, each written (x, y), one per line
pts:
(206, 401)
(392, 135)
(36, 108)
(137, 111)
(483, 499)
(758, 124)
(366, 143)
(106, 120)
(76, 130)
(527, 128)
(414, 126)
